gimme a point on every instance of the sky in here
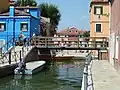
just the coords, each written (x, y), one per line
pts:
(74, 13)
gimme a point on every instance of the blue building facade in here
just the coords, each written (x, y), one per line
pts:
(25, 20)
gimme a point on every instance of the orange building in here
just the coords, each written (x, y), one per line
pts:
(99, 22)
(99, 18)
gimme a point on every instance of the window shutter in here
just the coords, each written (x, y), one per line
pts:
(101, 10)
(94, 10)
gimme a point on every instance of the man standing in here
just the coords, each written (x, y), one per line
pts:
(22, 66)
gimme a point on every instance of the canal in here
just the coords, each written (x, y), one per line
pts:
(62, 75)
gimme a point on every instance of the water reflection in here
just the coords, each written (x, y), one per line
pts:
(60, 76)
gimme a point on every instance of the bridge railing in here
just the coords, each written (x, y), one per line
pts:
(93, 42)
(13, 55)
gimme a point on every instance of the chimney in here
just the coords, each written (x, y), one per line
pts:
(12, 9)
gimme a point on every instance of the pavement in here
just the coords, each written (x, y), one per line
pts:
(105, 77)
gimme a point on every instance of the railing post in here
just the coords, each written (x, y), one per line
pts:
(78, 41)
(10, 57)
(22, 51)
(20, 55)
(15, 57)
(1, 52)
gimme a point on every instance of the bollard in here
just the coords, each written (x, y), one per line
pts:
(85, 78)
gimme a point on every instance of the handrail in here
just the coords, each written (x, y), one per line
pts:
(12, 56)
(54, 41)
(87, 82)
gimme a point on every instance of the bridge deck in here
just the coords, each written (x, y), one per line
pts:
(71, 48)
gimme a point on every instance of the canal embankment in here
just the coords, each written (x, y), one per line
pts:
(70, 54)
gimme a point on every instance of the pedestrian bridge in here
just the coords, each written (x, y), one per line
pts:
(29, 50)
(70, 43)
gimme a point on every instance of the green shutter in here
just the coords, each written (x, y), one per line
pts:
(101, 10)
(94, 10)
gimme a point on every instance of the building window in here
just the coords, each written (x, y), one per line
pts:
(98, 10)
(98, 27)
(2, 42)
(2, 27)
(24, 27)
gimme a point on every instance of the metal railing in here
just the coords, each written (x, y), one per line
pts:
(87, 82)
(9, 56)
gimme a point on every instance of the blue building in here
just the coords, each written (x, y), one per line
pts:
(17, 20)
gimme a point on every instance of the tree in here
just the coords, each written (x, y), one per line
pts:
(26, 3)
(51, 11)
(86, 34)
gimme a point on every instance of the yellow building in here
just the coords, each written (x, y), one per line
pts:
(99, 18)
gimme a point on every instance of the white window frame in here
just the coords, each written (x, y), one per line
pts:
(23, 23)
(101, 27)
(4, 26)
(3, 41)
(98, 6)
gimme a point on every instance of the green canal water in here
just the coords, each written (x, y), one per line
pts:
(63, 75)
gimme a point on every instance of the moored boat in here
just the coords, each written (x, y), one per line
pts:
(31, 68)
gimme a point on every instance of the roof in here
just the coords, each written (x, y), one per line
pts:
(23, 7)
(71, 31)
(98, 1)
(17, 13)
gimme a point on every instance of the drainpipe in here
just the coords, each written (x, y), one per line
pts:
(109, 50)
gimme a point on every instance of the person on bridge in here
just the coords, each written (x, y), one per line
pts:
(22, 36)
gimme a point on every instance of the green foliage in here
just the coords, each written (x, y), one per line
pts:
(86, 34)
(50, 11)
(26, 3)
(105, 14)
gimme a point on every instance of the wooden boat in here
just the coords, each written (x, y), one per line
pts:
(31, 68)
